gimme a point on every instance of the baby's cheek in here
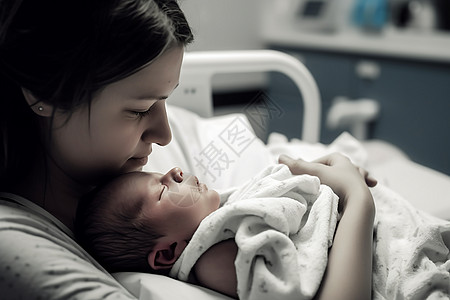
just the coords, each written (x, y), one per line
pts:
(183, 199)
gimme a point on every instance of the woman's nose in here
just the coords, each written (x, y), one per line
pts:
(157, 127)
(174, 175)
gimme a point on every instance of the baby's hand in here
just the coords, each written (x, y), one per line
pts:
(336, 171)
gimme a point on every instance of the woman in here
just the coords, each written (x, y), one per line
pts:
(83, 84)
(86, 85)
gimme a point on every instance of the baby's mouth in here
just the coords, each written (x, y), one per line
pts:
(202, 187)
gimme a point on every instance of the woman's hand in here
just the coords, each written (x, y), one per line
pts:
(349, 269)
(336, 171)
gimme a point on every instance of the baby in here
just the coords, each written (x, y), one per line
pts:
(143, 221)
(149, 222)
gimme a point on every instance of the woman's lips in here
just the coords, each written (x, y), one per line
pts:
(141, 160)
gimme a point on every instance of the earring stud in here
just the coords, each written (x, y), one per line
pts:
(40, 108)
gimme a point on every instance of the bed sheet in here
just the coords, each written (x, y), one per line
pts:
(425, 188)
(224, 152)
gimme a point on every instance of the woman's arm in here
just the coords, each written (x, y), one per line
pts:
(349, 269)
(215, 268)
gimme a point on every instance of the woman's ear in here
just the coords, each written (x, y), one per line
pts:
(39, 107)
(164, 255)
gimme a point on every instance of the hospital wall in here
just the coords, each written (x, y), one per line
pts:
(224, 24)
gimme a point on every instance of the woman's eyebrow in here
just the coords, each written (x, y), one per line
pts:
(158, 97)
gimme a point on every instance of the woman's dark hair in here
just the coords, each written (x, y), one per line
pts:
(64, 51)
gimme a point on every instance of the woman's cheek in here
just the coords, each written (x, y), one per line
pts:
(120, 137)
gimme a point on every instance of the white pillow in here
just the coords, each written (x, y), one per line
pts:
(157, 287)
(221, 151)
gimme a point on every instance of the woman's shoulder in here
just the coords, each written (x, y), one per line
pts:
(41, 258)
(17, 213)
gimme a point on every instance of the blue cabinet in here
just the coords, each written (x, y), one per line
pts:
(414, 98)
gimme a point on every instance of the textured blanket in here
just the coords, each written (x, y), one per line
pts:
(411, 251)
(283, 226)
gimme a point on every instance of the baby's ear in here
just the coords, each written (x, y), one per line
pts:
(164, 255)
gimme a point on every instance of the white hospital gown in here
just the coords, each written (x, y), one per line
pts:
(40, 260)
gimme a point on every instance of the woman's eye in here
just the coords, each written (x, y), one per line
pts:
(141, 114)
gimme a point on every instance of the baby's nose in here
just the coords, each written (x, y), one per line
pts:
(174, 174)
(185, 193)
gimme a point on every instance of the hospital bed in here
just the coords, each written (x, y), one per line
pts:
(426, 188)
(223, 150)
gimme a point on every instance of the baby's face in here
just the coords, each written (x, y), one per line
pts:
(175, 201)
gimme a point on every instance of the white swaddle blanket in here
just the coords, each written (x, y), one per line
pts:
(283, 226)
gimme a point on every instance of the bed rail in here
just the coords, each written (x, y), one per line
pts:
(195, 90)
